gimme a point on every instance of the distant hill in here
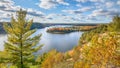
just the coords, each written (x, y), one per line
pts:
(76, 24)
(35, 25)
(1, 29)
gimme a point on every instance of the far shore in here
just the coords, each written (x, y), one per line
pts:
(64, 30)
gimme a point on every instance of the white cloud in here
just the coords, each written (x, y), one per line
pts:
(97, 1)
(81, 0)
(102, 12)
(109, 4)
(78, 11)
(90, 0)
(6, 5)
(51, 16)
(62, 2)
(118, 2)
(94, 0)
(84, 9)
(79, 5)
(47, 4)
(105, 5)
(4, 16)
(7, 8)
(35, 12)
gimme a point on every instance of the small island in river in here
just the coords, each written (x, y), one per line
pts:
(63, 30)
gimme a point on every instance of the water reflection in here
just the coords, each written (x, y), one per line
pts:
(3, 38)
(60, 42)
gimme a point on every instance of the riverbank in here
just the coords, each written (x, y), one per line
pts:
(63, 30)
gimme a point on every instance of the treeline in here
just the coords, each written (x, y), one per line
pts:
(61, 30)
(70, 29)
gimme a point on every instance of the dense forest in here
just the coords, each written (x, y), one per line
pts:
(97, 48)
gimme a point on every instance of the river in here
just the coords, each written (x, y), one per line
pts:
(60, 42)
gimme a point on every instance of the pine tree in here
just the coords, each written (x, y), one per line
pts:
(20, 44)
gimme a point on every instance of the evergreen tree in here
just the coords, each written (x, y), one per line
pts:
(20, 44)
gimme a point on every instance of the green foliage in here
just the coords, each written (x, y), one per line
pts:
(67, 56)
(13, 66)
(20, 45)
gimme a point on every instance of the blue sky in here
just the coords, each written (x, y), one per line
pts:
(62, 11)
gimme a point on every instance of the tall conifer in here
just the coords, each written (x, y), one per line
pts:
(20, 44)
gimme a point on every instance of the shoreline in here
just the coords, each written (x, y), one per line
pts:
(65, 30)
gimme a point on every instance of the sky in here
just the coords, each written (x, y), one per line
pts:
(62, 11)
